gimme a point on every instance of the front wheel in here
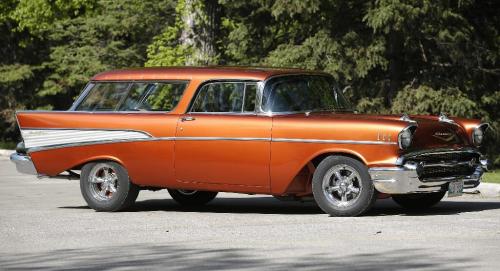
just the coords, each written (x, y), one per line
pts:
(342, 187)
(106, 186)
(418, 201)
(191, 197)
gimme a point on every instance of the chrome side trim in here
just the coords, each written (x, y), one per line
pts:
(49, 137)
(78, 144)
(187, 138)
(333, 141)
(88, 129)
(53, 138)
(23, 164)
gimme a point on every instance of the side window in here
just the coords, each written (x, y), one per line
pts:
(104, 97)
(219, 97)
(163, 96)
(226, 97)
(133, 100)
(250, 97)
(137, 96)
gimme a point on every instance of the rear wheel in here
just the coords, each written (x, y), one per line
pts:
(418, 201)
(106, 186)
(342, 187)
(191, 197)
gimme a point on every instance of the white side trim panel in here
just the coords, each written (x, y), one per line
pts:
(34, 138)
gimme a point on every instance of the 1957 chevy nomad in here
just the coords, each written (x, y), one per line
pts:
(287, 133)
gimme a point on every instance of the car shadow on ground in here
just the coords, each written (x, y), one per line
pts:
(172, 257)
(270, 205)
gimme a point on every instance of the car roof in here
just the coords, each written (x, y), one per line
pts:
(201, 73)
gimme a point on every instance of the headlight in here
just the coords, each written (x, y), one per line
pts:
(405, 136)
(478, 134)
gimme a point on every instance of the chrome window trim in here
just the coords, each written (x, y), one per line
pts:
(86, 91)
(214, 81)
(266, 81)
(82, 95)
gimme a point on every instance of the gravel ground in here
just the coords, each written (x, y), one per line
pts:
(45, 225)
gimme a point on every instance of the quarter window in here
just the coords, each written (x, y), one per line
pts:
(136, 96)
(226, 97)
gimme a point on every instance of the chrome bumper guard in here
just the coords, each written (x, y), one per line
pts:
(404, 179)
(23, 163)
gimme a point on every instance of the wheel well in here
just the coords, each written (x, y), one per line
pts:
(80, 166)
(301, 182)
(316, 160)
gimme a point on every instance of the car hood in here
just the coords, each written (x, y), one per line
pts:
(431, 132)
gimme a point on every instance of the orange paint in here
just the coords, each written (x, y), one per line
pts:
(209, 153)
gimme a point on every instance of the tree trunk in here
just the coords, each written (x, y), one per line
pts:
(201, 20)
(395, 64)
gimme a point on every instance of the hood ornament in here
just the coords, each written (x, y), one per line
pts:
(444, 118)
(406, 118)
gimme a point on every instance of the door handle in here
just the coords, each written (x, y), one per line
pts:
(187, 119)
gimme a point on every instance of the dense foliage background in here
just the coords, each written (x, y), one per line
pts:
(395, 55)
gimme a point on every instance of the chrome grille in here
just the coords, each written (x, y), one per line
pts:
(441, 164)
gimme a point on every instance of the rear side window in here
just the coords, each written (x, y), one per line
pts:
(226, 97)
(133, 96)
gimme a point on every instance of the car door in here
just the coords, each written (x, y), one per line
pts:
(222, 141)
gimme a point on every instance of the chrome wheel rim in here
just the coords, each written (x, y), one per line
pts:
(103, 182)
(187, 192)
(342, 185)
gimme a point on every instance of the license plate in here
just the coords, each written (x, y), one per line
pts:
(455, 189)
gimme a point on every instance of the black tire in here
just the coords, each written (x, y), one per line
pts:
(192, 198)
(360, 202)
(125, 192)
(418, 201)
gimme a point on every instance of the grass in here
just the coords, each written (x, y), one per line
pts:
(492, 177)
(9, 145)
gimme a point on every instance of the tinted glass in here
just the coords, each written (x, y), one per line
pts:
(219, 97)
(104, 97)
(112, 96)
(303, 93)
(250, 97)
(163, 97)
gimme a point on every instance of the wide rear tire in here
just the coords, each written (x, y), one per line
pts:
(106, 187)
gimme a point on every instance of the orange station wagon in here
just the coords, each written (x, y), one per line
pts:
(283, 132)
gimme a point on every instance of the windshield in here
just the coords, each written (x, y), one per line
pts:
(303, 93)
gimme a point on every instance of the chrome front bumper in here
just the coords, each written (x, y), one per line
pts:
(23, 163)
(404, 179)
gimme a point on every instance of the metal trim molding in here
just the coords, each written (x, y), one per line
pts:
(36, 139)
